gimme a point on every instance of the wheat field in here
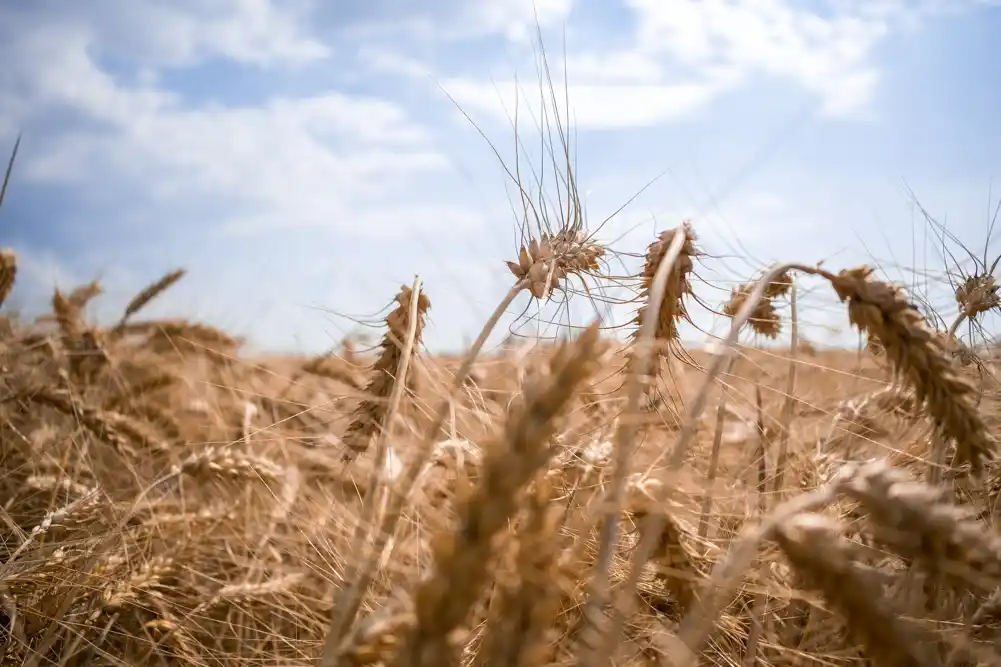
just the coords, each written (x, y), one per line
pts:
(590, 501)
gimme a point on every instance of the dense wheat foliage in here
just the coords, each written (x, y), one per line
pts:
(168, 500)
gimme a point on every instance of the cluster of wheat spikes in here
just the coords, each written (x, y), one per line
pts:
(168, 500)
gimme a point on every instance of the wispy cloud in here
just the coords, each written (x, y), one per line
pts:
(304, 158)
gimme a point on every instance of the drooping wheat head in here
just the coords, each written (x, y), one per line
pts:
(824, 562)
(764, 319)
(916, 521)
(679, 287)
(883, 311)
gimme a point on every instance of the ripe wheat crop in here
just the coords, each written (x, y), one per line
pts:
(169, 500)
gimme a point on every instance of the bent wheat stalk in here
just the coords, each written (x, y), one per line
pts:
(349, 601)
(640, 363)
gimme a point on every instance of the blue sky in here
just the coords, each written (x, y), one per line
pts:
(302, 159)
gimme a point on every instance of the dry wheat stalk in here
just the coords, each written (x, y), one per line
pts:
(10, 169)
(442, 601)
(520, 632)
(816, 551)
(370, 414)
(789, 402)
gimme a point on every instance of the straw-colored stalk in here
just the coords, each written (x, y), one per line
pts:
(758, 605)
(789, 402)
(462, 558)
(640, 362)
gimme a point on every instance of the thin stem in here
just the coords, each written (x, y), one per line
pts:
(707, 497)
(640, 364)
(349, 601)
(788, 406)
(382, 439)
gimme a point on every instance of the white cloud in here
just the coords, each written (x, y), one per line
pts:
(592, 106)
(684, 54)
(311, 176)
(177, 33)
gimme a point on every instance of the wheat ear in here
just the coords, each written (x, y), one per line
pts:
(404, 326)
(640, 363)
(8, 273)
(349, 600)
(789, 402)
(462, 558)
(820, 556)
(147, 294)
(414, 322)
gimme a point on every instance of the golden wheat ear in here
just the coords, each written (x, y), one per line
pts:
(463, 557)
(823, 561)
(371, 413)
(764, 319)
(678, 287)
(8, 273)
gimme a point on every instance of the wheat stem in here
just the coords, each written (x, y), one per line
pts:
(625, 435)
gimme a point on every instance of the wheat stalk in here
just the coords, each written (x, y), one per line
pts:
(404, 326)
(442, 601)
